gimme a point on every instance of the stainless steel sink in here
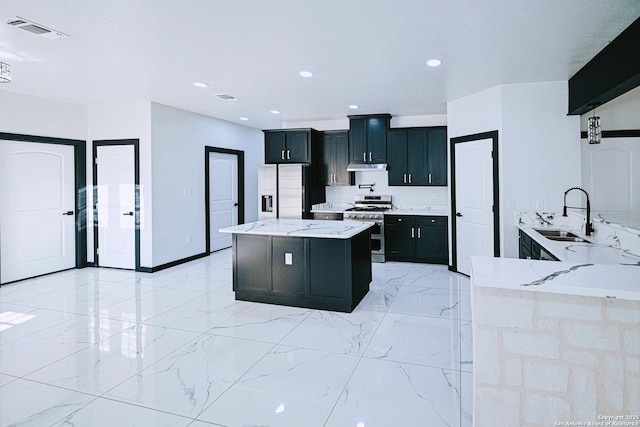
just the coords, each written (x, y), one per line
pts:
(560, 235)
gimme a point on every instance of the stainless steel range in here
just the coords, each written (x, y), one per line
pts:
(371, 209)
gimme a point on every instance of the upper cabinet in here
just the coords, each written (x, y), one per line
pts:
(418, 156)
(335, 156)
(289, 146)
(368, 139)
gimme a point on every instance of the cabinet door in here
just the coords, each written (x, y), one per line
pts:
(297, 146)
(399, 238)
(358, 152)
(431, 240)
(251, 263)
(289, 264)
(341, 160)
(377, 139)
(397, 157)
(274, 147)
(437, 157)
(417, 160)
(328, 149)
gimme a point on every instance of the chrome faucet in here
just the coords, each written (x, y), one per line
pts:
(589, 226)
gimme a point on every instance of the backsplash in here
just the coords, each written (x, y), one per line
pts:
(606, 233)
(402, 196)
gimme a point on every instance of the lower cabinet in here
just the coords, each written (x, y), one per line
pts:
(530, 249)
(322, 273)
(416, 238)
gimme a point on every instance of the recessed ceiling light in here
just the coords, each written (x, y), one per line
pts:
(244, 118)
(434, 62)
(353, 106)
(306, 73)
(275, 112)
(199, 84)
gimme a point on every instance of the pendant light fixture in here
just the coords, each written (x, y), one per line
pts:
(594, 131)
(5, 73)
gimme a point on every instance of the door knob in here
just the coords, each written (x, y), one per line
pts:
(128, 214)
(458, 214)
(67, 213)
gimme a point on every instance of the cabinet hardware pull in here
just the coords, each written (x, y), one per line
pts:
(409, 178)
(282, 154)
(364, 157)
(413, 233)
(67, 213)
(288, 154)
(419, 237)
(404, 178)
(433, 220)
(370, 157)
(429, 178)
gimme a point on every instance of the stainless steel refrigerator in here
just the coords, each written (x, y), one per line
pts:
(288, 191)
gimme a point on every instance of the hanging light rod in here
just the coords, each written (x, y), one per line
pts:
(5, 73)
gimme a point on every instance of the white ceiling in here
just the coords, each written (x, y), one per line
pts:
(366, 52)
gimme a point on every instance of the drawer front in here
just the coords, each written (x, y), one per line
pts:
(399, 219)
(332, 216)
(432, 220)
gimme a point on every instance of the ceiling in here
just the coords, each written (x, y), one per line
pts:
(366, 52)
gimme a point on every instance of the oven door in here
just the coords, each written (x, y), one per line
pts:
(377, 241)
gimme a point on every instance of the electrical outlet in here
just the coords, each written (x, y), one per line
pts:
(539, 205)
(188, 238)
(511, 204)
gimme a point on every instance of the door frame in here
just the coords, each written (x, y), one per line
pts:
(136, 171)
(240, 155)
(493, 135)
(80, 166)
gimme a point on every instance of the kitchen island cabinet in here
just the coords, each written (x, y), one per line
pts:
(303, 263)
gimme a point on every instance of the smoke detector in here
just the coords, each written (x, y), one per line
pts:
(37, 29)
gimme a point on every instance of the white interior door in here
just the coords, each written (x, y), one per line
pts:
(37, 209)
(223, 197)
(474, 201)
(116, 206)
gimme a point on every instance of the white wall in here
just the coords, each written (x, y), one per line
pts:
(124, 120)
(539, 146)
(30, 115)
(178, 141)
(539, 153)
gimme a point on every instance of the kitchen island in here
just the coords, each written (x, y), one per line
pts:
(303, 263)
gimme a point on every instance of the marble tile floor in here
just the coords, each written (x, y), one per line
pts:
(104, 347)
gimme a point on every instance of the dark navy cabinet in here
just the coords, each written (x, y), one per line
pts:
(416, 238)
(417, 156)
(368, 138)
(335, 158)
(290, 146)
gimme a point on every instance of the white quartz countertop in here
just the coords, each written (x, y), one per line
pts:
(417, 211)
(582, 252)
(301, 228)
(606, 281)
(396, 210)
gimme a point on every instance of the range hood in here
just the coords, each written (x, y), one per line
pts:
(366, 167)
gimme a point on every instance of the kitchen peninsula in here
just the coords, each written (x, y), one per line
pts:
(303, 263)
(556, 340)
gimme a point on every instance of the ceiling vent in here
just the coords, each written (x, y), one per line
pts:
(32, 27)
(227, 97)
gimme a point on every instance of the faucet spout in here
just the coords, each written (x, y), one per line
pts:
(589, 226)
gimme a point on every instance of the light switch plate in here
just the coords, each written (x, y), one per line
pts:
(288, 258)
